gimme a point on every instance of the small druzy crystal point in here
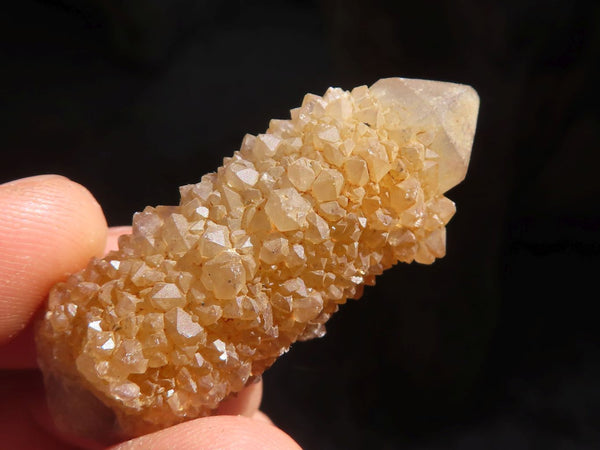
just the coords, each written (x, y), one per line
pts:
(202, 297)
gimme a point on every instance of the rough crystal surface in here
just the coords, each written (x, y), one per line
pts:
(202, 297)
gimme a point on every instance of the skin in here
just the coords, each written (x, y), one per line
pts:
(49, 228)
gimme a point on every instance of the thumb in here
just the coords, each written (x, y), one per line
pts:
(215, 433)
(49, 227)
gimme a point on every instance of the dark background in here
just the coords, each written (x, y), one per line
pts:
(497, 345)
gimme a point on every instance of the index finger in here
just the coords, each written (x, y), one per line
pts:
(49, 228)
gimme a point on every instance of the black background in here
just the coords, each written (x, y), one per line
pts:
(497, 345)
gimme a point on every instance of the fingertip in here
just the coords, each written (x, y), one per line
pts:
(216, 432)
(112, 239)
(259, 415)
(244, 403)
(50, 228)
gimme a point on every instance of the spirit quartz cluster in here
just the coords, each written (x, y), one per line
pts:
(202, 297)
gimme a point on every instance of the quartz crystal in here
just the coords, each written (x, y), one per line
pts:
(202, 297)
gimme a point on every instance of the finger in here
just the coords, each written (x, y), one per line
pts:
(113, 237)
(244, 403)
(216, 432)
(259, 415)
(21, 393)
(50, 227)
(19, 352)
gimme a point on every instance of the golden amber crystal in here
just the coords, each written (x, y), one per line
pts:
(202, 297)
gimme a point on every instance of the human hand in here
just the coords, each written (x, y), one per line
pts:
(49, 228)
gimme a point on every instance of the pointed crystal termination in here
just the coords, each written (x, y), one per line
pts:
(447, 110)
(202, 297)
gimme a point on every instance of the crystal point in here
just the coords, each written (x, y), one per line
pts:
(204, 296)
(452, 107)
